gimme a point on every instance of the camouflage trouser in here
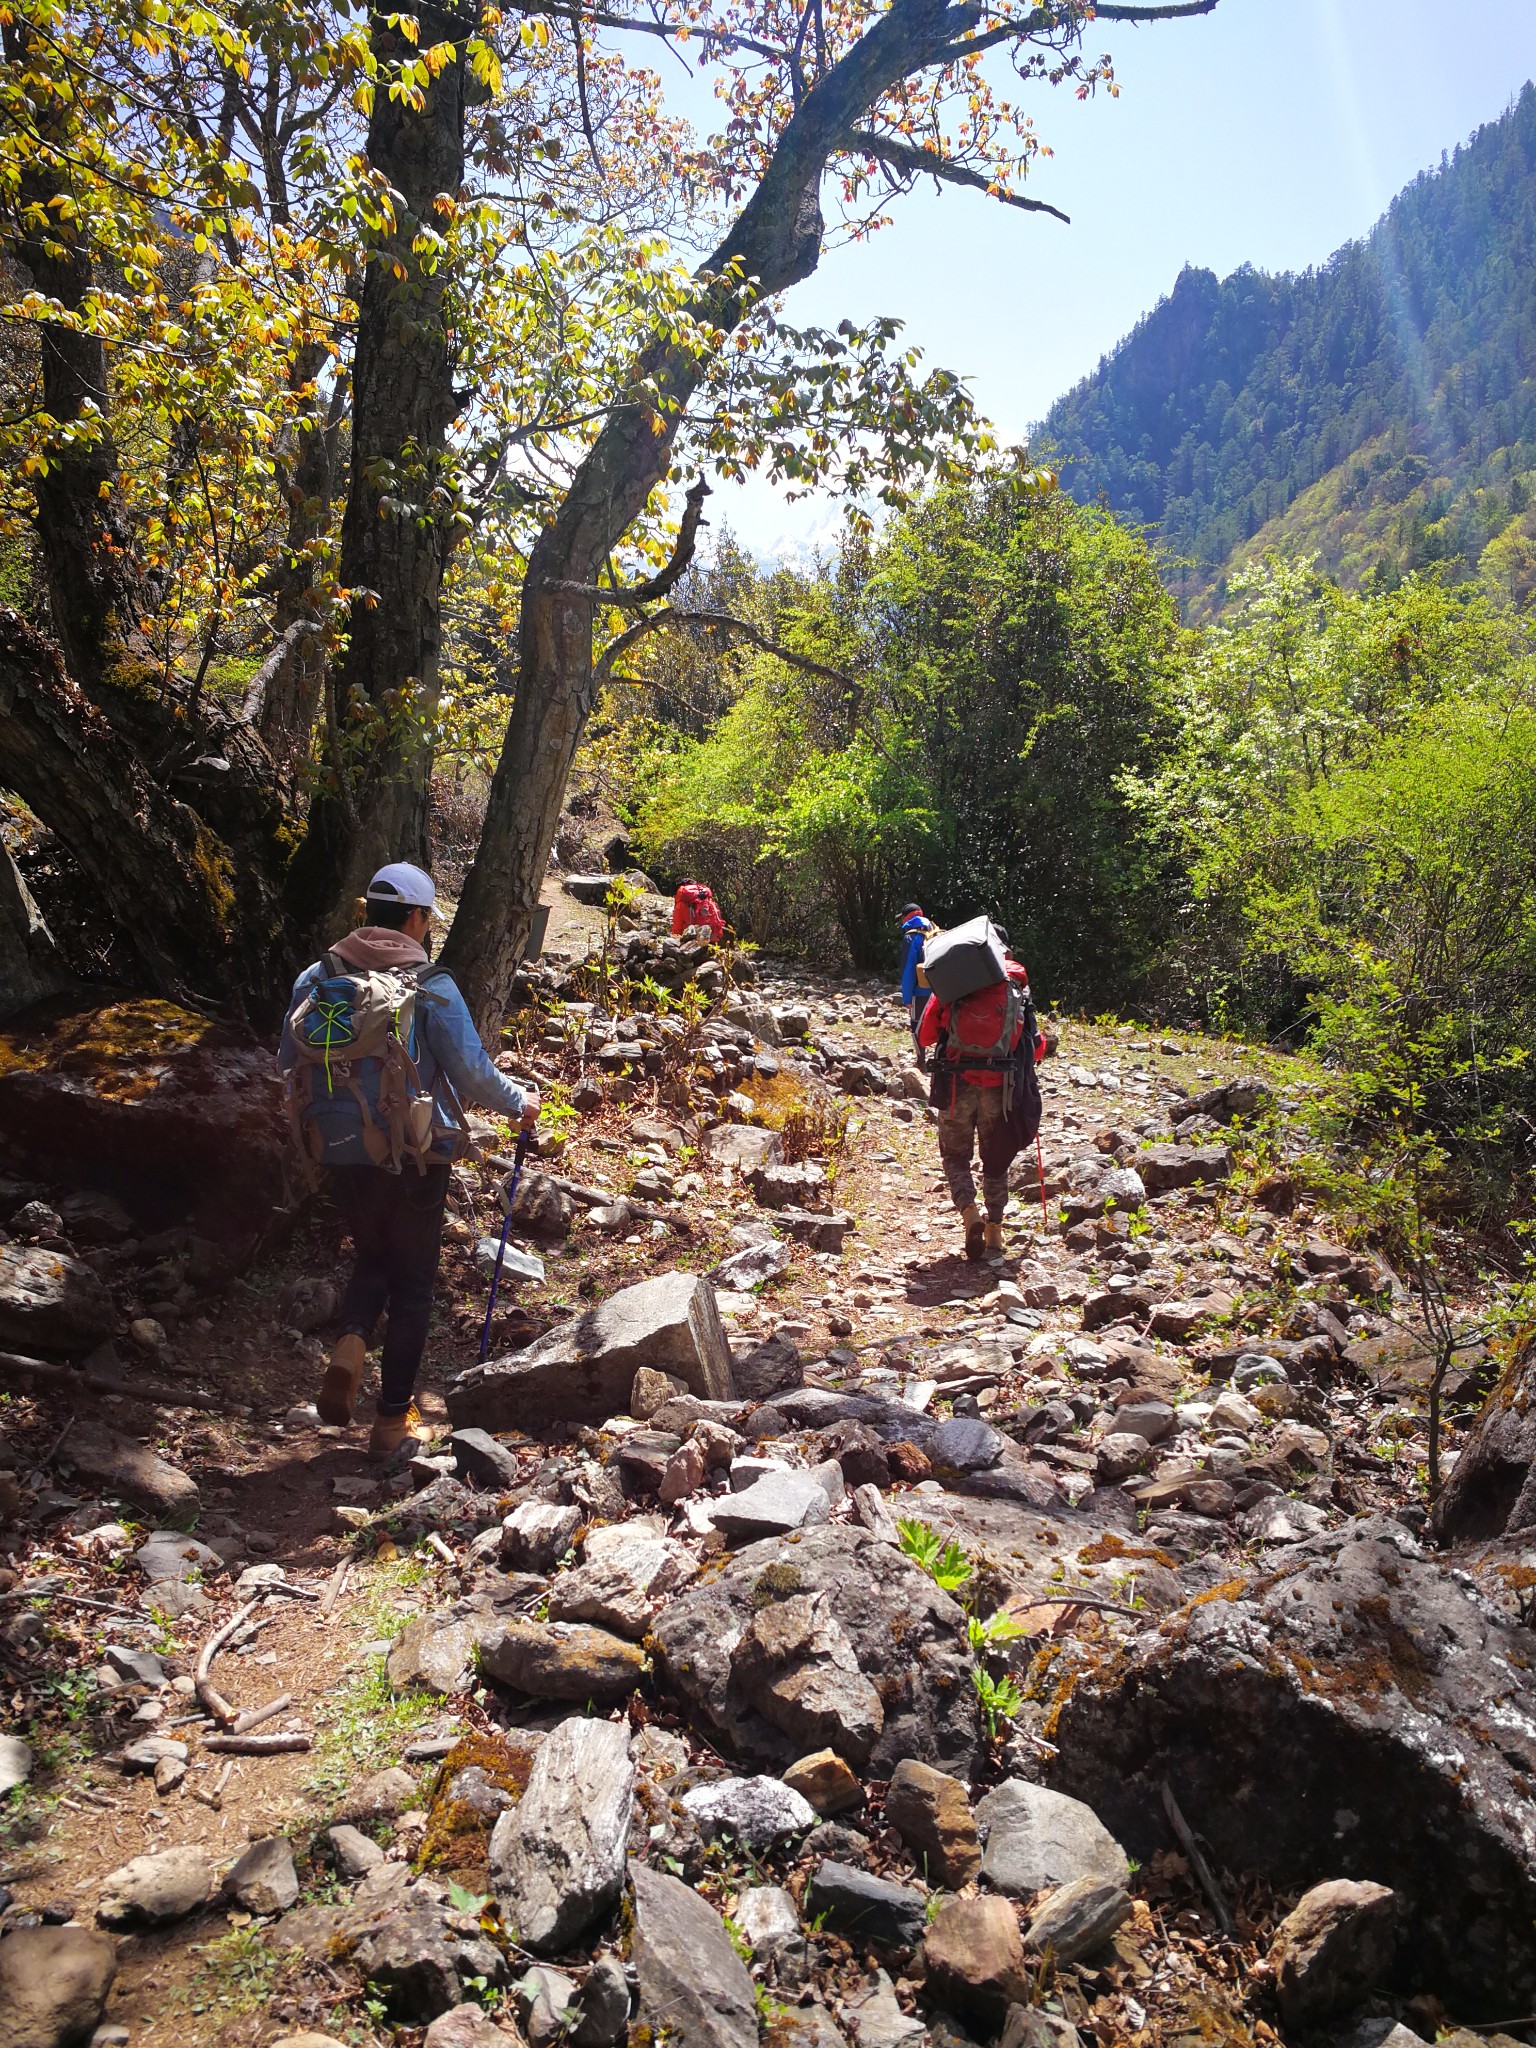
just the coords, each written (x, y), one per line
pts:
(976, 1119)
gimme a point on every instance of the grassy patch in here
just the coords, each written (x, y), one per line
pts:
(367, 1725)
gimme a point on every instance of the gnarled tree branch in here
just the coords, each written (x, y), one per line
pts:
(902, 156)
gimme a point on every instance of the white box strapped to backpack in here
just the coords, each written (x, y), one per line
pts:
(966, 958)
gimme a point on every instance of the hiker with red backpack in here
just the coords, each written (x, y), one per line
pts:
(980, 1023)
(694, 908)
(378, 1053)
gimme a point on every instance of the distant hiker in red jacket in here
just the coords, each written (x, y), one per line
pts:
(985, 1091)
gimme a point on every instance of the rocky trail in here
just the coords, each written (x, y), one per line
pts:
(792, 1634)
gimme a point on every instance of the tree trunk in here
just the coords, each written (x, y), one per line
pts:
(79, 524)
(163, 874)
(399, 526)
(774, 243)
(290, 699)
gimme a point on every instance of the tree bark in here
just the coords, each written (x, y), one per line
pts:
(398, 527)
(290, 699)
(775, 242)
(166, 878)
(79, 524)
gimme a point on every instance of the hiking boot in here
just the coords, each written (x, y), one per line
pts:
(343, 1382)
(992, 1241)
(975, 1233)
(392, 1433)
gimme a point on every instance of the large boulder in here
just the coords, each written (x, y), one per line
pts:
(584, 1370)
(53, 1985)
(1492, 1489)
(825, 1638)
(1164, 1167)
(1356, 1713)
(179, 1117)
(51, 1302)
(557, 1857)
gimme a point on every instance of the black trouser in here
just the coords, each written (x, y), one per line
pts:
(396, 1222)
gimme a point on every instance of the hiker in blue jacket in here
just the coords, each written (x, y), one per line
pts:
(916, 930)
(393, 1212)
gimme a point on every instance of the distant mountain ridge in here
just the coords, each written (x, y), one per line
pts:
(1380, 410)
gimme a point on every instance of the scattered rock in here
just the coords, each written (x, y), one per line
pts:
(973, 1958)
(584, 1371)
(931, 1811)
(1035, 1838)
(601, 2006)
(743, 1146)
(623, 1588)
(693, 1986)
(382, 1795)
(650, 1389)
(53, 1985)
(437, 1652)
(1163, 1167)
(826, 1782)
(752, 1266)
(557, 1857)
(801, 1187)
(16, 1761)
(151, 1890)
(480, 1460)
(849, 1597)
(562, 1661)
(264, 1880)
(467, 2026)
(355, 1854)
(1079, 1918)
(755, 1811)
(418, 1963)
(51, 1301)
(775, 1504)
(1333, 1948)
(878, 2021)
(865, 1908)
(767, 1919)
(537, 1534)
(131, 1470)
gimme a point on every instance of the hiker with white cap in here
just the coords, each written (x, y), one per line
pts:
(378, 1054)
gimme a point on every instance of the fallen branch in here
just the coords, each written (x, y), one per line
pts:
(254, 1716)
(336, 1588)
(153, 1393)
(79, 1600)
(1197, 1862)
(215, 1701)
(256, 1745)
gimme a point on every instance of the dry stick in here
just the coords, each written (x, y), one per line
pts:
(337, 1586)
(154, 1393)
(78, 1600)
(214, 1701)
(254, 1716)
(435, 1542)
(1198, 1864)
(255, 1745)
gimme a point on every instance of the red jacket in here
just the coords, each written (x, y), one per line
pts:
(980, 1023)
(694, 904)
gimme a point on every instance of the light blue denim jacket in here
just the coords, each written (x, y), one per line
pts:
(446, 1044)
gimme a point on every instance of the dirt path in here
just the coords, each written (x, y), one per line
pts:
(278, 1490)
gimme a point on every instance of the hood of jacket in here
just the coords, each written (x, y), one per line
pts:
(376, 946)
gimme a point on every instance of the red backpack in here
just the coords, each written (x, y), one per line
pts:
(694, 904)
(989, 1024)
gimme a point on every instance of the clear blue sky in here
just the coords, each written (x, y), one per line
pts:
(1267, 133)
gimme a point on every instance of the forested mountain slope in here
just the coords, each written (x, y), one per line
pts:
(1380, 410)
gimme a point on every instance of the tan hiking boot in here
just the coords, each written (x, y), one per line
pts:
(975, 1232)
(992, 1241)
(343, 1382)
(391, 1433)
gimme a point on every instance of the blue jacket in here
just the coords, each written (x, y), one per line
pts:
(445, 1043)
(915, 932)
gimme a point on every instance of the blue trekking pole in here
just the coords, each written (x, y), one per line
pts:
(524, 1137)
